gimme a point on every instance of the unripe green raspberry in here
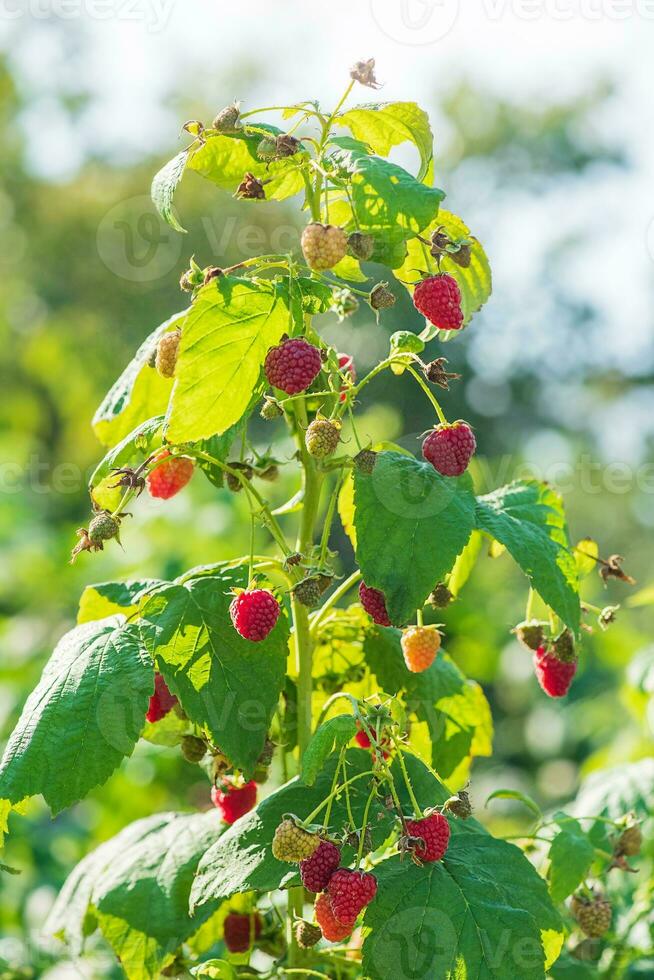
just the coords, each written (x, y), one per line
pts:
(167, 350)
(227, 120)
(307, 935)
(365, 461)
(322, 438)
(381, 298)
(360, 246)
(267, 148)
(103, 527)
(593, 914)
(292, 843)
(323, 246)
(441, 596)
(630, 841)
(271, 409)
(193, 749)
(233, 482)
(308, 592)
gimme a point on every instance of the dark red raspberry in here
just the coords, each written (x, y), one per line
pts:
(348, 368)
(435, 832)
(293, 365)
(161, 701)
(254, 614)
(240, 931)
(349, 893)
(439, 299)
(374, 604)
(232, 800)
(554, 676)
(331, 928)
(449, 448)
(364, 742)
(170, 477)
(316, 870)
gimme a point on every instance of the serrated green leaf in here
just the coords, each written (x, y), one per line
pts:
(483, 911)
(514, 794)
(136, 446)
(528, 518)
(83, 718)
(225, 338)
(317, 297)
(140, 393)
(138, 886)
(454, 708)
(223, 681)
(224, 159)
(332, 735)
(411, 523)
(463, 566)
(163, 189)
(385, 125)
(242, 859)
(475, 282)
(571, 855)
(386, 199)
(5, 810)
(108, 598)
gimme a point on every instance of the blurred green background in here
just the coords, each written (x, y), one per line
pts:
(558, 376)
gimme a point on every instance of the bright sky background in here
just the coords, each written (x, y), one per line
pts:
(134, 55)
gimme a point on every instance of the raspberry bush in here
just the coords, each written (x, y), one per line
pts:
(340, 811)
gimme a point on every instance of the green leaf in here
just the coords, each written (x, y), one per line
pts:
(108, 598)
(386, 199)
(242, 859)
(528, 518)
(411, 523)
(163, 188)
(138, 886)
(619, 790)
(475, 282)
(317, 297)
(83, 718)
(223, 681)
(139, 394)
(214, 970)
(586, 553)
(454, 708)
(224, 159)
(332, 735)
(571, 855)
(483, 911)
(225, 338)
(385, 125)
(514, 794)
(138, 444)
(464, 564)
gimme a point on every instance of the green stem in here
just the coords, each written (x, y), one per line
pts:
(327, 527)
(328, 812)
(529, 610)
(405, 776)
(430, 395)
(364, 825)
(339, 789)
(338, 593)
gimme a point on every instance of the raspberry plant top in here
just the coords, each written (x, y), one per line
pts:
(248, 654)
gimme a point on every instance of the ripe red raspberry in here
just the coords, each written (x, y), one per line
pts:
(240, 931)
(438, 298)
(364, 742)
(554, 676)
(254, 614)
(420, 644)
(348, 368)
(331, 928)
(170, 477)
(293, 365)
(349, 893)
(316, 870)
(374, 604)
(450, 447)
(435, 832)
(232, 800)
(161, 701)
